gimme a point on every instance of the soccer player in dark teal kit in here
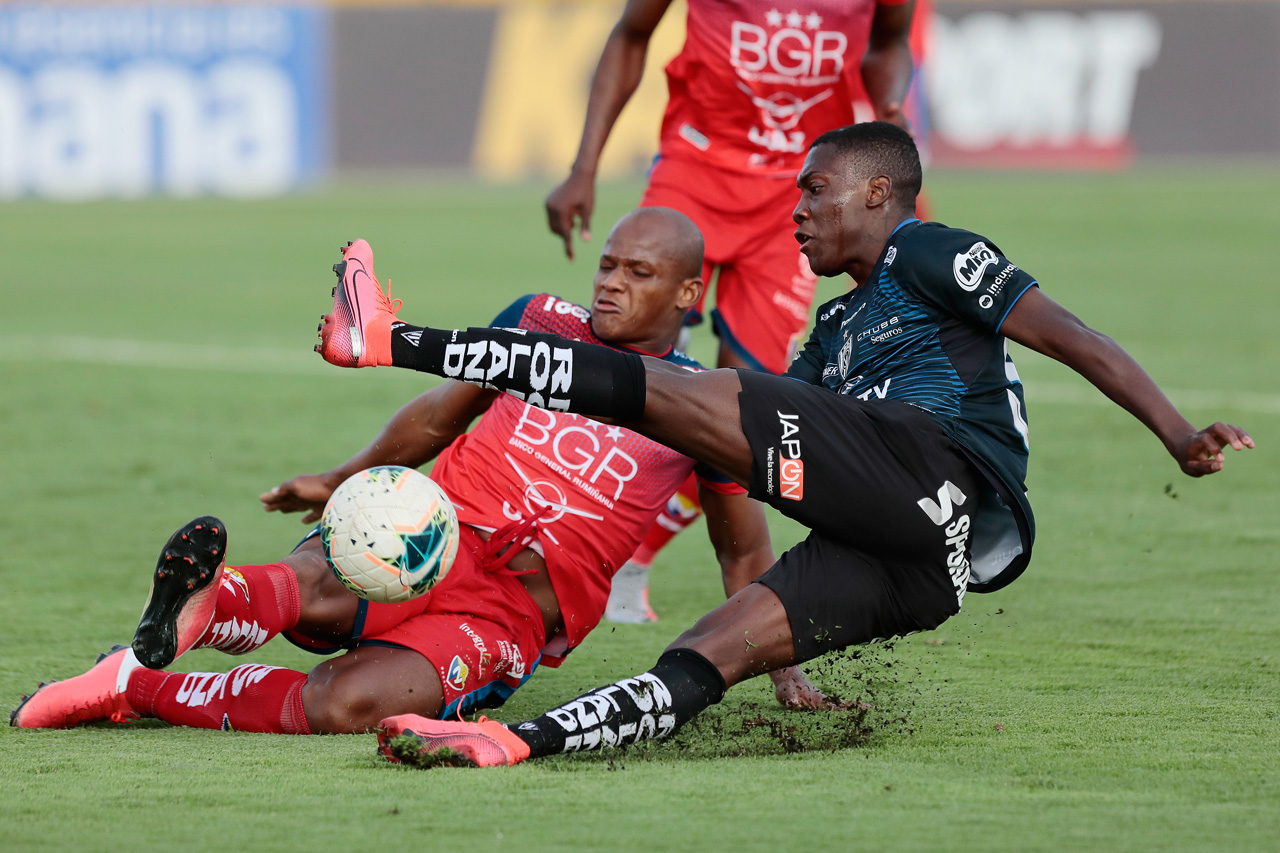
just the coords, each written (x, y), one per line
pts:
(898, 437)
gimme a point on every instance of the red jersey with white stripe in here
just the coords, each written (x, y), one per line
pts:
(757, 81)
(602, 486)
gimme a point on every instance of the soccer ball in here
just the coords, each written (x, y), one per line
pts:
(389, 533)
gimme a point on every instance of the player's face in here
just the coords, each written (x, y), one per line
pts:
(636, 296)
(829, 214)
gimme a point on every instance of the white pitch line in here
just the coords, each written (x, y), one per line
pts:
(115, 352)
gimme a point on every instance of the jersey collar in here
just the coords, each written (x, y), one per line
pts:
(902, 224)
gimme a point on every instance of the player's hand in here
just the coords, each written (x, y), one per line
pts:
(573, 200)
(893, 114)
(796, 693)
(306, 493)
(1201, 452)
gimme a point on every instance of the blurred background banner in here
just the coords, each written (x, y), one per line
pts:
(1073, 85)
(125, 100)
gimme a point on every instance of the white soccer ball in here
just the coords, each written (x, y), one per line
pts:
(389, 533)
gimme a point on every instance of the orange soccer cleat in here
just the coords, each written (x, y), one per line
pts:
(184, 592)
(422, 742)
(98, 694)
(358, 332)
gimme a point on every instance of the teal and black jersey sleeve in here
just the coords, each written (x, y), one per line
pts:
(960, 273)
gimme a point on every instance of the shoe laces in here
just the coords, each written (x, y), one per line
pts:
(392, 305)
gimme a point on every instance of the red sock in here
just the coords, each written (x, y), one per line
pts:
(249, 698)
(682, 510)
(254, 604)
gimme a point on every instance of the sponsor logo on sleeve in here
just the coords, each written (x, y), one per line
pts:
(969, 266)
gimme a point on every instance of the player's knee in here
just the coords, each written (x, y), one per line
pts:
(325, 602)
(343, 703)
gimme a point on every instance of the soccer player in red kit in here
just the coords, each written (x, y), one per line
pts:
(754, 84)
(550, 504)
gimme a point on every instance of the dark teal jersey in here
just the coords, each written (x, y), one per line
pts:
(925, 329)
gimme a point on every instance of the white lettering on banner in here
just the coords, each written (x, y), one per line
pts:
(1039, 78)
(75, 130)
(191, 33)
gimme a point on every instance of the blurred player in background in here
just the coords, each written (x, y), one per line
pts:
(898, 437)
(550, 505)
(754, 84)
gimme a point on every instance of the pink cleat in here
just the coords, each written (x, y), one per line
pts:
(97, 695)
(358, 332)
(422, 742)
(184, 592)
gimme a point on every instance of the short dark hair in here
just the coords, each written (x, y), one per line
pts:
(879, 148)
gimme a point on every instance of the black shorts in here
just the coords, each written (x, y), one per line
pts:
(888, 496)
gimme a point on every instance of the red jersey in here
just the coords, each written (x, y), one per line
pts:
(757, 82)
(603, 485)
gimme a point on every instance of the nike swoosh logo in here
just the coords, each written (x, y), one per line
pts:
(357, 328)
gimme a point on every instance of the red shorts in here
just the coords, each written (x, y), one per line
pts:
(481, 630)
(765, 288)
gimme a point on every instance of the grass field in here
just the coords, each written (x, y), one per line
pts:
(155, 364)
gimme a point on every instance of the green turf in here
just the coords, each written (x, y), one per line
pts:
(155, 365)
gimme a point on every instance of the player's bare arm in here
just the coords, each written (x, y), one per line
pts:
(887, 65)
(617, 76)
(413, 436)
(1039, 323)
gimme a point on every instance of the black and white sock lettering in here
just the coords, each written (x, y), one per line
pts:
(649, 706)
(544, 370)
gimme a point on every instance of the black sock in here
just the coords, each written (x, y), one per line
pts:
(648, 707)
(545, 370)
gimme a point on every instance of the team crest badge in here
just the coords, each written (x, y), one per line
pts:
(846, 352)
(458, 672)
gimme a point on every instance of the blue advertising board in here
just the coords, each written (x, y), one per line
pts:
(124, 100)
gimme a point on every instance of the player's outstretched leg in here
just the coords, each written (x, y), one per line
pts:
(251, 698)
(184, 592)
(98, 694)
(696, 414)
(650, 706)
